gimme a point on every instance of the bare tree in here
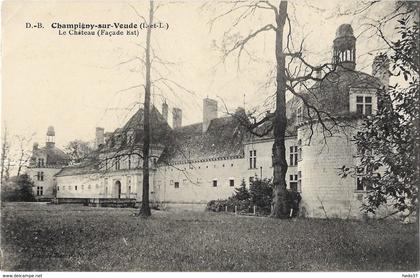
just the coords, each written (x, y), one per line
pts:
(23, 154)
(292, 72)
(78, 150)
(5, 159)
(145, 207)
(126, 143)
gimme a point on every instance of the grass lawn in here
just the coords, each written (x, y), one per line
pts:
(44, 237)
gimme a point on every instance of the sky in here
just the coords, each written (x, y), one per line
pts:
(77, 83)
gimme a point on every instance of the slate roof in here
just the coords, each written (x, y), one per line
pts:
(224, 138)
(160, 131)
(86, 167)
(55, 156)
(344, 30)
(118, 141)
(332, 93)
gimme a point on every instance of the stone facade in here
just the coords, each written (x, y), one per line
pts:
(45, 163)
(206, 161)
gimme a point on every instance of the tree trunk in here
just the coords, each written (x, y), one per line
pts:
(3, 154)
(145, 207)
(280, 197)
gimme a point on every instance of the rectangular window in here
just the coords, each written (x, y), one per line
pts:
(58, 188)
(214, 183)
(231, 182)
(364, 105)
(39, 191)
(359, 185)
(293, 157)
(130, 137)
(176, 184)
(299, 115)
(300, 150)
(75, 187)
(293, 182)
(253, 159)
(40, 176)
(361, 182)
(117, 163)
(299, 180)
(129, 161)
(251, 180)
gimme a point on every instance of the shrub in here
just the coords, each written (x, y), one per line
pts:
(241, 193)
(18, 189)
(216, 205)
(260, 195)
(261, 192)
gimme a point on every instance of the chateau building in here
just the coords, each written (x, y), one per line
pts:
(205, 161)
(44, 164)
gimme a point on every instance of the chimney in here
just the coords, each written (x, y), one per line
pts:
(99, 137)
(380, 69)
(165, 111)
(107, 135)
(177, 117)
(209, 112)
(50, 142)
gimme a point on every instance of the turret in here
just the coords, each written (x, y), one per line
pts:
(50, 142)
(344, 48)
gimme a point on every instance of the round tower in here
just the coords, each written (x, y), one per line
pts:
(50, 142)
(344, 47)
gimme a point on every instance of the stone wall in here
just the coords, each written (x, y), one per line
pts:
(104, 185)
(324, 192)
(47, 183)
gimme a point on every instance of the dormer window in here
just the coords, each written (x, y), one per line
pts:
(364, 105)
(130, 137)
(41, 162)
(117, 164)
(299, 115)
(363, 102)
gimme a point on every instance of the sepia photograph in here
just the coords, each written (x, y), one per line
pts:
(160, 136)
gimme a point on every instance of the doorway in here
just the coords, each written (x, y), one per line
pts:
(117, 189)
